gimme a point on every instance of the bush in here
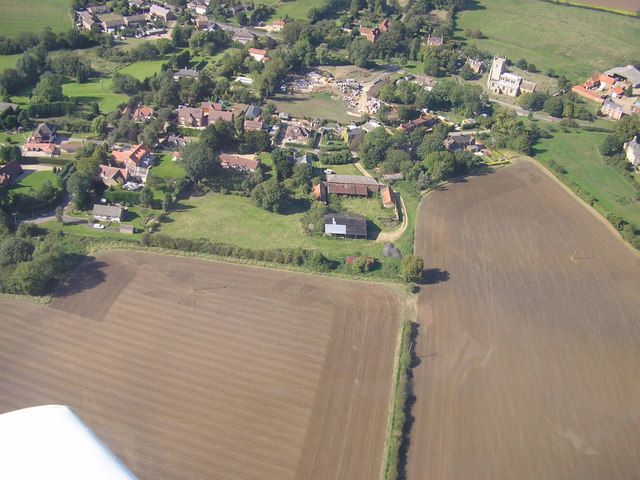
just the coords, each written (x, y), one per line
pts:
(412, 269)
(14, 250)
(362, 264)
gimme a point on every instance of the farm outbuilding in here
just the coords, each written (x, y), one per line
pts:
(348, 226)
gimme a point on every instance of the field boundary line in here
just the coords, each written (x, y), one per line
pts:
(596, 8)
(396, 424)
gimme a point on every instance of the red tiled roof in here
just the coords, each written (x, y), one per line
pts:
(218, 115)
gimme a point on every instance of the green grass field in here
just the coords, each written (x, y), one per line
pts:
(577, 152)
(33, 16)
(8, 61)
(233, 219)
(142, 70)
(34, 180)
(95, 90)
(318, 105)
(572, 41)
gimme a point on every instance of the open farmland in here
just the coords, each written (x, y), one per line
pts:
(530, 341)
(630, 6)
(191, 369)
(33, 16)
(574, 42)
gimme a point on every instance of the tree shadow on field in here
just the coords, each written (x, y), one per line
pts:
(432, 276)
(87, 275)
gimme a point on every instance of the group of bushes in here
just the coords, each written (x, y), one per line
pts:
(311, 259)
(397, 423)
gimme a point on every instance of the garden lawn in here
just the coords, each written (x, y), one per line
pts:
(8, 61)
(95, 91)
(235, 220)
(33, 16)
(167, 169)
(34, 180)
(370, 208)
(577, 151)
(576, 42)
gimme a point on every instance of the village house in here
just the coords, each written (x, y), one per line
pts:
(384, 25)
(202, 23)
(252, 112)
(433, 41)
(427, 121)
(191, 117)
(296, 133)
(351, 134)
(136, 20)
(596, 89)
(258, 54)
(198, 6)
(137, 160)
(303, 159)
(632, 152)
(477, 66)
(278, 24)
(256, 125)
(44, 133)
(111, 22)
(113, 176)
(348, 226)
(85, 20)
(239, 34)
(185, 73)
(98, 9)
(370, 125)
(504, 83)
(455, 142)
(35, 149)
(9, 173)
(107, 213)
(142, 113)
(161, 12)
(612, 110)
(370, 34)
(174, 141)
(243, 163)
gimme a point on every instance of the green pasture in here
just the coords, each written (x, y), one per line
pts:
(577, 151)
(34, 180)
(95, 90)
(572, 41)
(33, 16)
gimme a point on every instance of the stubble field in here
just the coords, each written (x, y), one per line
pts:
(190, 369)
(529, 341)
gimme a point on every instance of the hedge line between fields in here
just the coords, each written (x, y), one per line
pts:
(396, 429)
(591, 7)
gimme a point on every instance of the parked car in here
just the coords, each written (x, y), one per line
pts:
(98, 226)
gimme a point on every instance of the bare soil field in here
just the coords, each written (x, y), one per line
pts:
(201, 370)
(529, 340)
(626, 5)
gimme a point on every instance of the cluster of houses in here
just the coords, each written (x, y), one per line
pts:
(372, 34)
(615, 90)
(143, 21)
(129, 166)
(42, 142)
(505, 83)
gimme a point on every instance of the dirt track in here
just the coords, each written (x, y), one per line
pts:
(200, 370)
(530, 340)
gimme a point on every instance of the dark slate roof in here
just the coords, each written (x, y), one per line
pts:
(107, 210)
(253, 112)
(355, 225)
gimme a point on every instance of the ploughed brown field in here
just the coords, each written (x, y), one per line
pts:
(627, 5)
(530, 342)
(201, 370)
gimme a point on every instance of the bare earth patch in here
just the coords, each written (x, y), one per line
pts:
(190, 369)
(529, 337)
